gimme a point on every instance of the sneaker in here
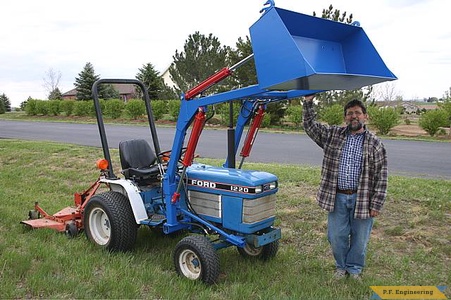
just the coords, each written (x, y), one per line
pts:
(339, 274)
(356, 277)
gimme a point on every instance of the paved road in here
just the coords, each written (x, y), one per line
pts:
(410, 158)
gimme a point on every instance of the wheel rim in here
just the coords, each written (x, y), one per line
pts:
(99, 226)
(190, 264)
(252, 251)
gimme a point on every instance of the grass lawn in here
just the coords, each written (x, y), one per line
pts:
(410, 243)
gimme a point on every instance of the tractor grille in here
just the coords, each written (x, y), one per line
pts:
(255, 210)
(205, 204)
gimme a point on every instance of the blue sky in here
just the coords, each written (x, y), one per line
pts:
(413, 37)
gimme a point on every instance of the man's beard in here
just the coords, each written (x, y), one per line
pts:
(355, 127)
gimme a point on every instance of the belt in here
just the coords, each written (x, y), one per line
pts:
(347, 192)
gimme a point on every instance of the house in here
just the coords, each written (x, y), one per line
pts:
(167, 78)
(126, 92)
(410, 108)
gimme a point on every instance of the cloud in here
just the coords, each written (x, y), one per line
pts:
(412, 37)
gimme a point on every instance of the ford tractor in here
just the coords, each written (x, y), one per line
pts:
(218, 207)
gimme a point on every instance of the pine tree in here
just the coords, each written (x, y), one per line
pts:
(201, 57)
(334, 15)
(246, 74)
(155, 85)
(84, 81)
(5, 104)
(55, 94)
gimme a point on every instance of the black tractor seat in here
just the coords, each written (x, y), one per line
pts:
(138, 161)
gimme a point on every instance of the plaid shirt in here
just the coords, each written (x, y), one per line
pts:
(372, 185)
(351, 162)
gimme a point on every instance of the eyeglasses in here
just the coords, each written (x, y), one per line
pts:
(356, 113)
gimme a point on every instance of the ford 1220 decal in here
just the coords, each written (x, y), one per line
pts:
(221, 186)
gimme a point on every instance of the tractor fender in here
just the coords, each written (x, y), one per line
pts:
(128, 189)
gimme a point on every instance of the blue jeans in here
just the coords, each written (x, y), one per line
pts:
(347, 236)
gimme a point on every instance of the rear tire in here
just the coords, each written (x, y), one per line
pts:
(196, 259)
(265, 252)
(109, 222)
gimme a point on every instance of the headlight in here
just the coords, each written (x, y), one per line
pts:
(266, 187)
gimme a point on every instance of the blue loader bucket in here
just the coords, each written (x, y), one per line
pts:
(301, 52)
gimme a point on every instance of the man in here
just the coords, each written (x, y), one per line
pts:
(353, 183)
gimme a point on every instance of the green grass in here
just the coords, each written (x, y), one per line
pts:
(410, 243)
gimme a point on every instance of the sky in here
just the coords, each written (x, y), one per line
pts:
(413, 37)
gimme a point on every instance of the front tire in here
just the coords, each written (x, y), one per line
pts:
(109, 222)
(196, 259)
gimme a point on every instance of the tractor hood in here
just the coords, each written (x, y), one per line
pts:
(204, 177)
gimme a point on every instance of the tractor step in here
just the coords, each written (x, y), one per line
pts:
(157, 218)
(154, 220)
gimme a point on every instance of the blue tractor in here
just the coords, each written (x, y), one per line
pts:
(294, 55)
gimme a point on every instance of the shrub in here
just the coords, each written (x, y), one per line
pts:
(67, 106)
(332, 115)
(82, 108)
(114, 108)
(432, 120)
(294, 114)
(277, 111)
(446, 106)
(174, 108)
(54, 107)
(223, 110)
(31, 107)
(135, 108)
(42, 107)
(159, 108)
(383, 119)
(266, 122)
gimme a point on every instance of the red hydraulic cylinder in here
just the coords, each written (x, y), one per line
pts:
(213, 79)
(199, 122)
(252, 133)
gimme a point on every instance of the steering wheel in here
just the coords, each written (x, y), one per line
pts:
(166, 155)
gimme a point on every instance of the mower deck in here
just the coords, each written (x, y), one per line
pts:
(57, 221)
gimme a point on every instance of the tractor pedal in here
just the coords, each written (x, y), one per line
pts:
(157, 218)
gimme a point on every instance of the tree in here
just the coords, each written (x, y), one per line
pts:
(343, 96)
(432, 120)
(109, 92)
(155, 85)
(446, 106)
(383, 118)
(334, 14)
(2, 108)
(332, 115)
(386, 91)
(55, 94)
(246, 74)
(51, 81)
(85, 80)
(5, 104)
(201, 57)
